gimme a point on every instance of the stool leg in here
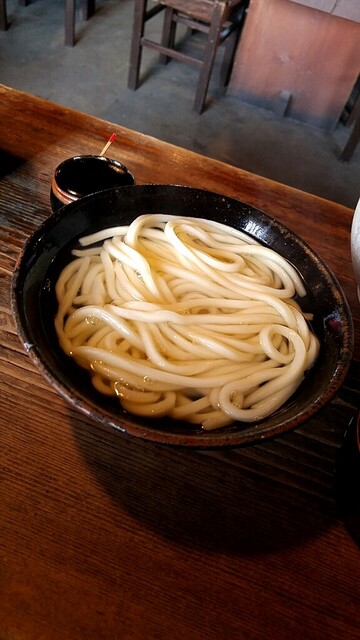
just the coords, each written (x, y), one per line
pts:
(168, 33)
(3, 15)
(352, 143)
(229, 52)
(209, 57)
(136, 48)
(88, 8)
(70, 23)
(354, 118)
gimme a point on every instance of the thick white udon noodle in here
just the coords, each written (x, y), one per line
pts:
(186, 318)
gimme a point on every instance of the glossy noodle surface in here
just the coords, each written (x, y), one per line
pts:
(185, 318)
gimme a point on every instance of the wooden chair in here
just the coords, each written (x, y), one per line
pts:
(354, 138)
(88, 9)
(221, 20)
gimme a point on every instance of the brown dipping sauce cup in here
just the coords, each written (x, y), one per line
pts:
(80, 176)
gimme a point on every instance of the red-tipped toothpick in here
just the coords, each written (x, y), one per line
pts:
(111, 139)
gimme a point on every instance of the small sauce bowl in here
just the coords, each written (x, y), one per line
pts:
(80, 176)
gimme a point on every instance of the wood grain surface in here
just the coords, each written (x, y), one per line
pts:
(103, 536)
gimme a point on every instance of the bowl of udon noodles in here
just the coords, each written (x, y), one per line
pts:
(181, 316)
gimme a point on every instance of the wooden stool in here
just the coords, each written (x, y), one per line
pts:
(354, 138)
(220, 19)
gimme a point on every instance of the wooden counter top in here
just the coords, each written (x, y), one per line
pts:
(103, 536)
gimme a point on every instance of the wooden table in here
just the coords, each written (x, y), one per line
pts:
(105, 537)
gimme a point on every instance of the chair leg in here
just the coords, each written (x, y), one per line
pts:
(3, 15)
(70, 23)
(209, 57)
(136, 48)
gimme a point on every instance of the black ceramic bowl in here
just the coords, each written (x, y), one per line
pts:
(48, 250)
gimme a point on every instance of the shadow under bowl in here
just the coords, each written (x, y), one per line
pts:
(347, 478)
(49, 249)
